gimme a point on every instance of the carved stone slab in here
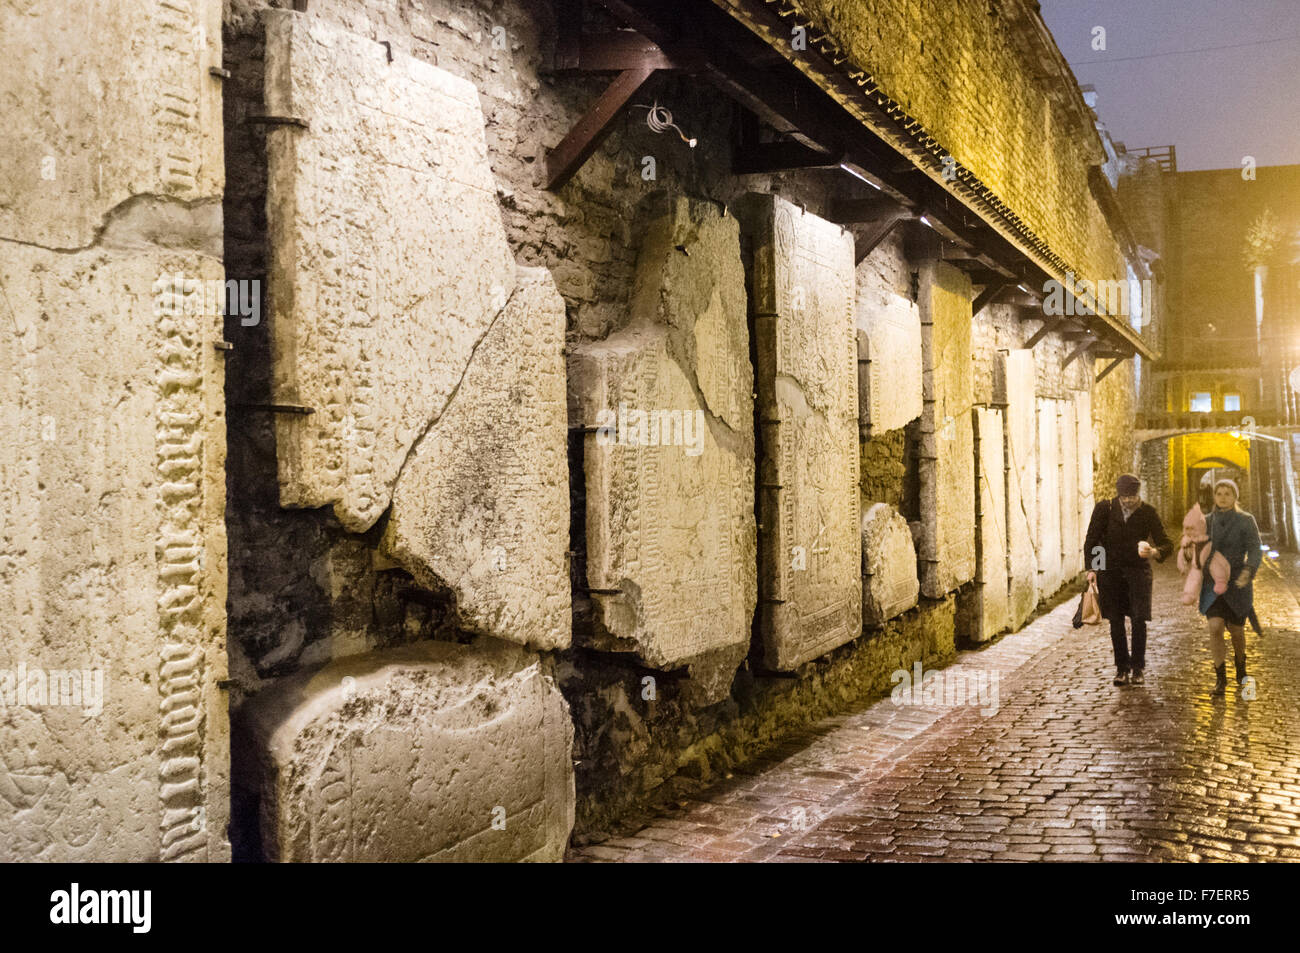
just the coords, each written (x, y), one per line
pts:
(889, 581)
(1071, 533)
(1047, 539)
(669, 458)
(482, 506)
(430, 752)
(990, 613)
(1017, 393)
(889, 355)
(802, 298)
(388, 257)
(1083, 417)
(115, 102)
(114, 741)
(947, 548)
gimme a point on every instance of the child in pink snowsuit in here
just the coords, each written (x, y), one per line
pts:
(1191, 557)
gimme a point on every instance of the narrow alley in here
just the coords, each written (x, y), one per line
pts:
(1068, 767)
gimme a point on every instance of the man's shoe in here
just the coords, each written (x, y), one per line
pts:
(1220, 680)
(1121, 677)
(1137, 678)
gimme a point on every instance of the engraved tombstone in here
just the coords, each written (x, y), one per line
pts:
(802, 298)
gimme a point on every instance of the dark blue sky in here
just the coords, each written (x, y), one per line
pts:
(1214, 105)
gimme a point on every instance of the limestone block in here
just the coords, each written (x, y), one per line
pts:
(389, 261)
(431, 752)
(889, 581)
(669, 462)
(947, 473)
(889, 341)
(112, 556)
(1083, 418)
(114, 101)
(990, 611)
(802, 297)
(1017, 393)
(1047, 540)
(481, 506)
(1071, 534)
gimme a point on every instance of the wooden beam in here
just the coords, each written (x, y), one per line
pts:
(1078, 351)
(1049, 325)
(781, 157)
(986, 298)
(588, 132)
(1110, 367)
(619, 50)
(864, 211)
(868, 242)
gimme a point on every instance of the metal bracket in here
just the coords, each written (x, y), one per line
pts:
(279, 121)
(277, 408)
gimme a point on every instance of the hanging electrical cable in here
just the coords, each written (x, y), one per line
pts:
(660, 119)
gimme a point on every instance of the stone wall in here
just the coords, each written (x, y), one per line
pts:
(622, 481)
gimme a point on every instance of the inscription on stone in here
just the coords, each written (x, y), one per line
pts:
(431, 752)
(1017, 393)
(388, 257)
(478, 506)
(802, 297)
(947, 544)
(669, 455)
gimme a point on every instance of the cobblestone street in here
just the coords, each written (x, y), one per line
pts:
(1067, 768)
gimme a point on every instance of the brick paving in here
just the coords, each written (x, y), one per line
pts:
(1065, 767)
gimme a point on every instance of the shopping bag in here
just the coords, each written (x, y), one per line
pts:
(1088, 611)
(1090, 605)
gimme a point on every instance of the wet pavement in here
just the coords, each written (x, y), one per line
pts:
(1051, 762)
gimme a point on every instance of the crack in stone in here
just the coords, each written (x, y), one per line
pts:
(451, 397)
(126, 224)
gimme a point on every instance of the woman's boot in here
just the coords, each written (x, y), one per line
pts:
(1220, 679)
(1239, 661)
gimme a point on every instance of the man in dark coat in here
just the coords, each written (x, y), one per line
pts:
(1124, 535)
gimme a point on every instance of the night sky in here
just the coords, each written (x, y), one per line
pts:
(1214, 105)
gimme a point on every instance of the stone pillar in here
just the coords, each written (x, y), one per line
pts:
(802, 300)
(669, 456)
(114, 742)
(947, 547)
(1014, 387)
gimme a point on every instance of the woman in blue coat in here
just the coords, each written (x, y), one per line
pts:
(1233, 533)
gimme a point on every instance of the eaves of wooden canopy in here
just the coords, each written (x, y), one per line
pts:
(829, 114)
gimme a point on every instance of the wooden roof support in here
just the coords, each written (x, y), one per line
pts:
(1088, 342)
(781, 157)
(589, 131)
(1110, 367)
(1049, 325)
(986, 297)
